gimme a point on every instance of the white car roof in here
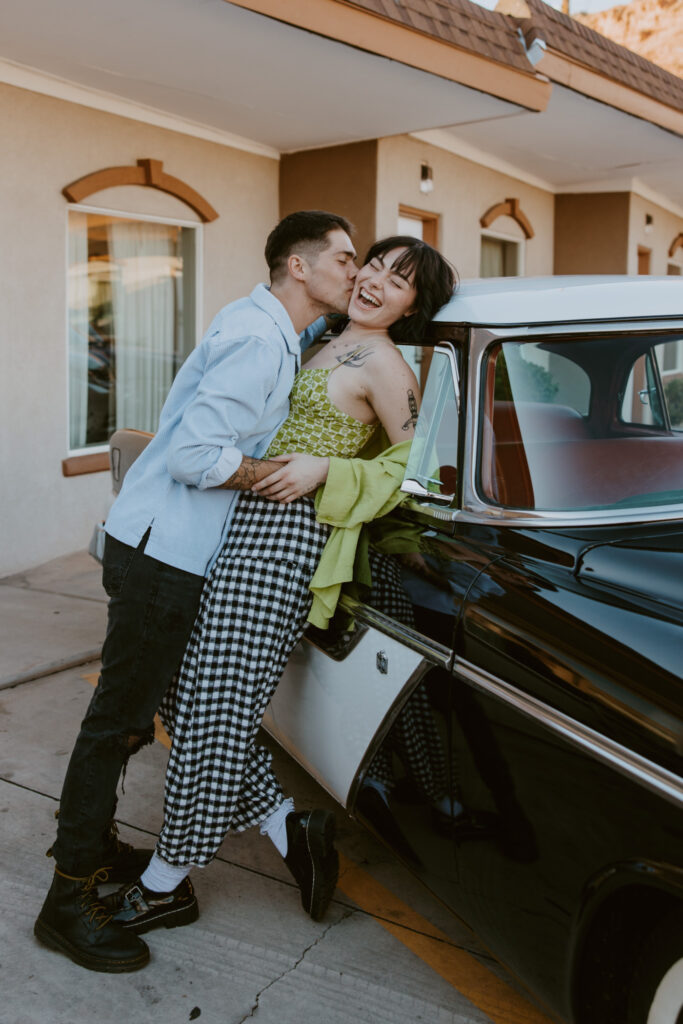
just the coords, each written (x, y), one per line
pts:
(533, 300)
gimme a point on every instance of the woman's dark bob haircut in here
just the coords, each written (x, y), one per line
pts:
(432, 276)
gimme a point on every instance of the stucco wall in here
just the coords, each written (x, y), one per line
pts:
(463, 192)
(46, 144)
(342, 179)
(591, 233)
(664, 229)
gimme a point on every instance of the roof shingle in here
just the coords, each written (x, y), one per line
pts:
(461, 22)
(495, 35)
(597, 52)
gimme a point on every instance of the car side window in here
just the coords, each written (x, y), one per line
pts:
(433, 460)
(654, 391)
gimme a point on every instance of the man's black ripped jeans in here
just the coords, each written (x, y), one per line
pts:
(152, 608)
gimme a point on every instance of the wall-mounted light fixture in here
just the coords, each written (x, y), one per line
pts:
(649, 220)
(426, 179)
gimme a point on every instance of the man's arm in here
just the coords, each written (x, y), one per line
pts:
(228, 405)
(249, 472)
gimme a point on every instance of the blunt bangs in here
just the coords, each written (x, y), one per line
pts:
(431, 275)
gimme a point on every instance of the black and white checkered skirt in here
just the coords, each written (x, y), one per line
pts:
(253, 612)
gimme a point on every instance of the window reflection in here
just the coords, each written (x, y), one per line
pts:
(585, 423)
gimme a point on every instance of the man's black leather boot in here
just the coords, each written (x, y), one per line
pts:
(122, 861)
(74, 922)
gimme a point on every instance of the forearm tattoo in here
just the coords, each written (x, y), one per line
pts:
(412, 405)
(246, 475)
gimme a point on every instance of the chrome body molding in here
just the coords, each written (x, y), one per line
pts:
(639, 769)
(432, 651)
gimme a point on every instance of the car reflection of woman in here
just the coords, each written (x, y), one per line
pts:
(256, 598)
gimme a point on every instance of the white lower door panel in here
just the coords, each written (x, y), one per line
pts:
(325, 713)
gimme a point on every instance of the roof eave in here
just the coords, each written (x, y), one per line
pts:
(566, 71)
(368, 31)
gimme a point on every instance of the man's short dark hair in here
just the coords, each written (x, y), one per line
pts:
(305, 233)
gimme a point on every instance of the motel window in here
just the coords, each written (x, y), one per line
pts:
(131, 320)
(644, 257)
(500, 257)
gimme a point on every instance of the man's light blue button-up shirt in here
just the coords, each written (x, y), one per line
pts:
(228, 400)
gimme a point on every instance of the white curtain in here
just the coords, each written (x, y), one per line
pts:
(143, 308)
(492, 258)
(78, 329)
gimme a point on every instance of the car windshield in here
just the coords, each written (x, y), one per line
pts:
(582, 423)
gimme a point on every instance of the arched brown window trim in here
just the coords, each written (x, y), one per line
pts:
(676, 244)
(149, 173)
(510, 208)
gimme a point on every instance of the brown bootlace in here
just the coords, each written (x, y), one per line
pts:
(90, 905)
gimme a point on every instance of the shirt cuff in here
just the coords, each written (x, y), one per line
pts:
(228, 463)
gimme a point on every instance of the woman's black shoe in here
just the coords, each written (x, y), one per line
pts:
(312, 858)
(74, 921)
(139, 909)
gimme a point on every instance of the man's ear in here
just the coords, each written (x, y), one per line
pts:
(297, 267)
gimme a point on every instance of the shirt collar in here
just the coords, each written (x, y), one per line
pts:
(265, 300)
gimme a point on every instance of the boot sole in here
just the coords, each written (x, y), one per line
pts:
(171, 918)
(53, 940)
(320, 834)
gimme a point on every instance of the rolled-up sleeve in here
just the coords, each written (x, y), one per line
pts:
(228, 406)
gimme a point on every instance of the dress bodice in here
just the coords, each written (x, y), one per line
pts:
(314, 424)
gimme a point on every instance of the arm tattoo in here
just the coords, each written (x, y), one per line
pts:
(356, 359)
(412, 405)
(245, 475)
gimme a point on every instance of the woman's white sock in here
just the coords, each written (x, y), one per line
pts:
(159, 876)
(275, 826)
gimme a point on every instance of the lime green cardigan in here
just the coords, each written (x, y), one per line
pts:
(356, 492)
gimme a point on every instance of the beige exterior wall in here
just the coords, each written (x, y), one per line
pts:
(663, 230)
(591, 233)
(46, 144)
(341, 179)
(463, 192)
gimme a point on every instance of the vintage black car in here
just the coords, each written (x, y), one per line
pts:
(505, 708)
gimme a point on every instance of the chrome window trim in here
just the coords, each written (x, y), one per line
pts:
(666, 322)
(475, 509)
(628, 763)
(432, 651)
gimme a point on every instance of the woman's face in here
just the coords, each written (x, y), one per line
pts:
(381, 296)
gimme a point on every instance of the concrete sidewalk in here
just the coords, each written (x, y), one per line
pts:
(253, 954)
(51, 617)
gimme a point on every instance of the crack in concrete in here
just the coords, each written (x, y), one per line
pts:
(254, 1009)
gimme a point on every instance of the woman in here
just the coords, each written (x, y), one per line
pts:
(256, 598)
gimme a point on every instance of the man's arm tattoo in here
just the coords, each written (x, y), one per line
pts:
(412, 405)
(247, 474)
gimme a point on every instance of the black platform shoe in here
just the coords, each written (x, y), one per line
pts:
(139, 909)
(312, 858)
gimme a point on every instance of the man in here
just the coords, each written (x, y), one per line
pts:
(170, 519)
